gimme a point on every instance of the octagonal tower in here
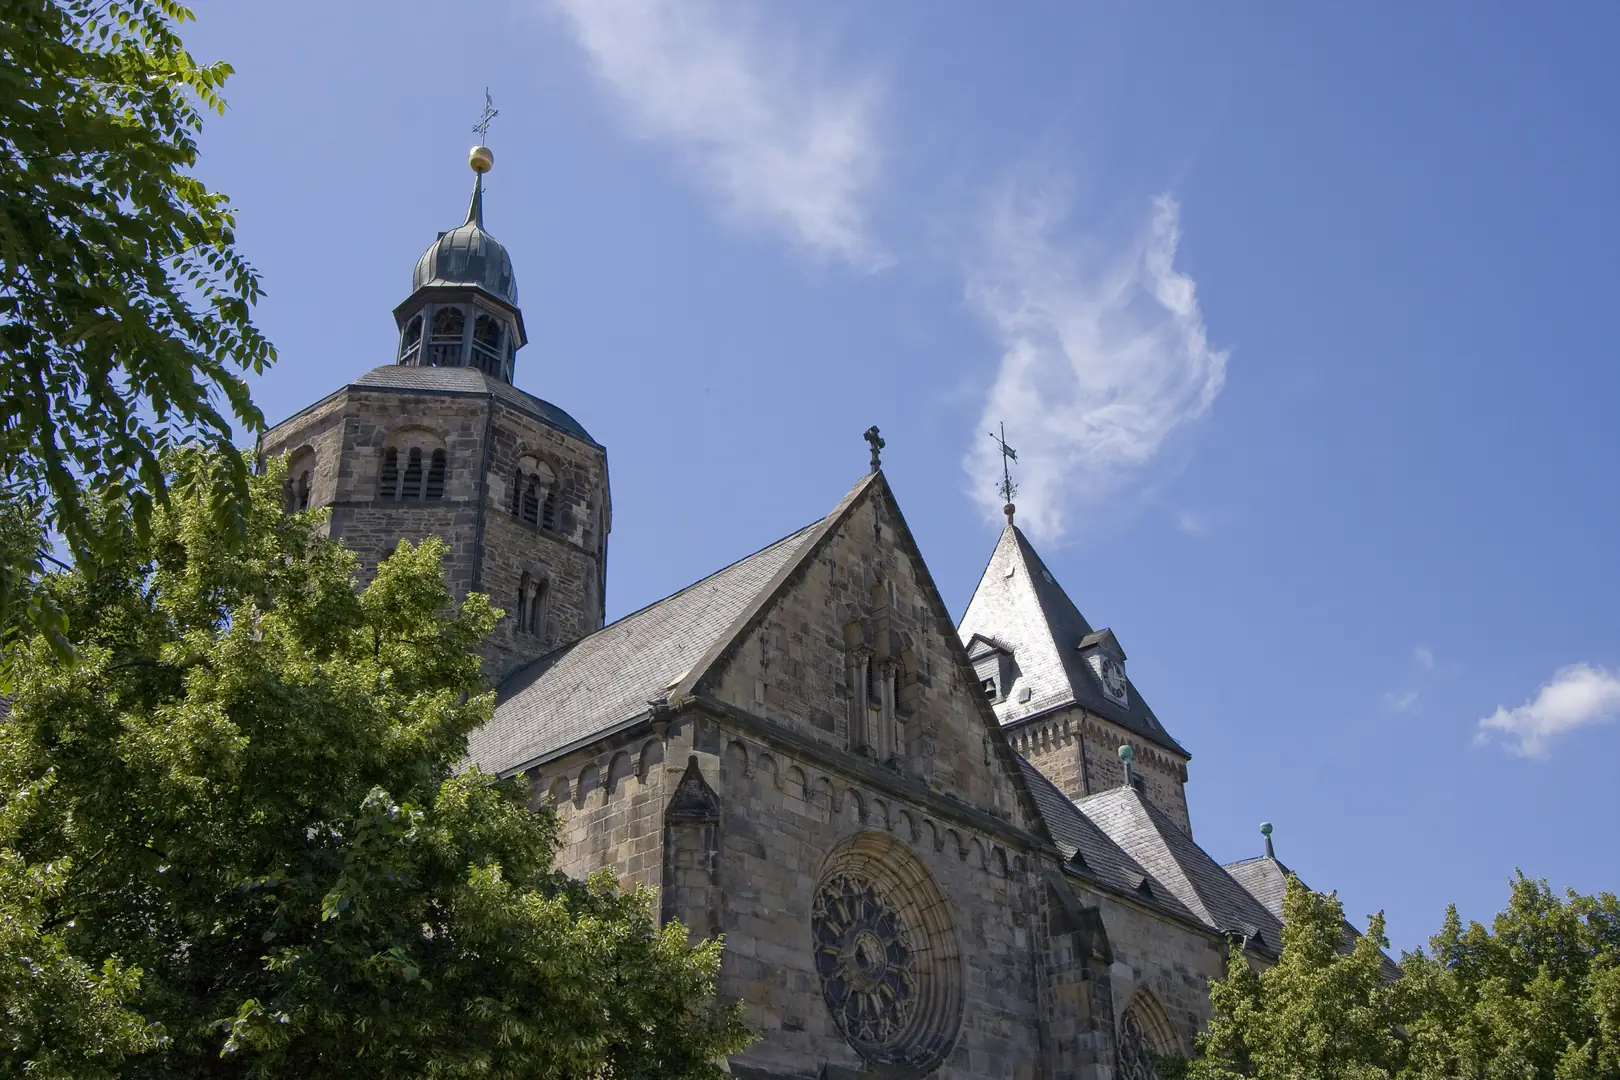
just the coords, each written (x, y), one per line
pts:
(440, 443)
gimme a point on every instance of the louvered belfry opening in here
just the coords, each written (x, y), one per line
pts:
(435, 477)
(531, 501)
(413, 475)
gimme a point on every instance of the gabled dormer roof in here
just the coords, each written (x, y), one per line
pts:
(1020, 605)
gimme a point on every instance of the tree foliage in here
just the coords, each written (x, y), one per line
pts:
(124, 305)
(1534, 997)
(237, 821)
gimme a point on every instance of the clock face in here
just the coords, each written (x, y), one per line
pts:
(1113, 678)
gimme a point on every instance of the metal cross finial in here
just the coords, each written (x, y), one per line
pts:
(875, 441)
(1008, 489)
(490, 112)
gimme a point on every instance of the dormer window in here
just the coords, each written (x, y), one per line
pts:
(993, 664)
(1107, 662)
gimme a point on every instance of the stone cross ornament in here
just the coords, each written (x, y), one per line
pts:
(875, 441)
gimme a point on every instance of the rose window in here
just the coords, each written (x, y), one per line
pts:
(864, 958)
(886, 954)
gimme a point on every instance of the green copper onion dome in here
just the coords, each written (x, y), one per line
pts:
(468, 255)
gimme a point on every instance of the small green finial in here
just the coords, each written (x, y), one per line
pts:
(1265, 831)
(1126, 756)
(1265, 828)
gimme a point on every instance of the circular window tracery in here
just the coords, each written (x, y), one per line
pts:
(886, 954)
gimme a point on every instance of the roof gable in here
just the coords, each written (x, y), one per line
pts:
(1019, 603)
(606, 680)
(790, 644)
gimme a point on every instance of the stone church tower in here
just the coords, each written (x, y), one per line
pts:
(440, 443)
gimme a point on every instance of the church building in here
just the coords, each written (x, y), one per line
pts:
(934, 849)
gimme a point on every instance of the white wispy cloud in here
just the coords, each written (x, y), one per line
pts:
(1425, 656)
(1103, 357)
(1577, 696)
(784, 144)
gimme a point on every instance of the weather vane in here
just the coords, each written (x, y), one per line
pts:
(490, 112)
(1008, 489)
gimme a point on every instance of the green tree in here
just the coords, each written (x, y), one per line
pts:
(1320, 1014)
(1535, 997)
(124, 306)
(247, 790)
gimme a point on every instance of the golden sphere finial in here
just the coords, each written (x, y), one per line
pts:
(481, 159)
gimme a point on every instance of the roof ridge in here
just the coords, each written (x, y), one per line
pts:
(693, 680)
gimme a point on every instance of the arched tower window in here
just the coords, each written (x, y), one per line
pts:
(548, 510)
(300, 479)
(434, 489)
(444, 344)
(534, 492)
(412, 486)
(537, 608)
(414, 466)
(533, 592)
(486, 344)
(410, 342)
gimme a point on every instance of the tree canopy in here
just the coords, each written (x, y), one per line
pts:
(124, 305)
(1535, 996)
(236, 838)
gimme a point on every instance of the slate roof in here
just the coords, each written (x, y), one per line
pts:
(1104, 861)
(1171, 857)
(460, 380)
(1020, 603)
(1265, 878)
(585, 690)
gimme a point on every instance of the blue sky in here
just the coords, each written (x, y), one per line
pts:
(1301, 321)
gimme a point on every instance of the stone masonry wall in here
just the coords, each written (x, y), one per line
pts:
(861, 592)
(610, 800)
(1079, 753)
(781, 817)
(1171, 961)
(483, 439)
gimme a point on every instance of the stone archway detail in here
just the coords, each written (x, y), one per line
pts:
(1144, 1031)
(887, 954)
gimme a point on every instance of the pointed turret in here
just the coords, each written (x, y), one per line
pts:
(1059, 686)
